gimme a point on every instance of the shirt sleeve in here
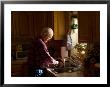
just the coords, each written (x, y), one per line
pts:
(45, 55)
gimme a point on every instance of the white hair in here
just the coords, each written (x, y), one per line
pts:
(46, 32)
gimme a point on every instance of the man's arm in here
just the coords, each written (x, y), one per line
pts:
(45, 54)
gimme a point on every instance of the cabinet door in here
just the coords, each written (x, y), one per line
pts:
(19, 68)
(21, 29)
(59, 25)
(89, 26)
(27, 25)
(96, 26)
(83, 22)
(41, 20)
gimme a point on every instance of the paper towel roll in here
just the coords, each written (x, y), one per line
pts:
(64, 52)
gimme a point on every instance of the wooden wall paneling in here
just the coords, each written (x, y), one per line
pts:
(22, 30)
(39, 22)
(14, 26)
(30, 23)
(94, 25)
(35, 23)
(67, 21)
(89, 26)
(50, 19)
(24, 26)
(83, 22)
(98, 26)
(96, 30)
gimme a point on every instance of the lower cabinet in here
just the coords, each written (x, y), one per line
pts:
(19, 68)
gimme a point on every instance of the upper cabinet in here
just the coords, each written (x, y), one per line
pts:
(89, 26)
(26, 25)
(20, 26)
(59, 25)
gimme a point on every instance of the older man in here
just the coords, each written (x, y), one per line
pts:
(39, 58)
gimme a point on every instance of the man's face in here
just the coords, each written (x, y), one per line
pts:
(49, 37)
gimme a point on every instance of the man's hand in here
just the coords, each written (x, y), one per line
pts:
(54, 64)
(54, 61)
(57, 62)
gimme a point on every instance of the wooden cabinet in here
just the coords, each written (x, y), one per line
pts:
(22, 30)
(40, 20)
(26, 25)
(59, 25)
(19, 68)
(83, 26)
(89, 26)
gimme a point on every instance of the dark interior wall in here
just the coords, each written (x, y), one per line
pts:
(89, 26)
